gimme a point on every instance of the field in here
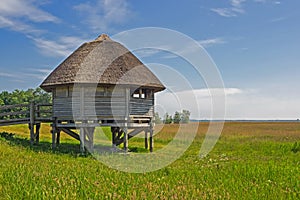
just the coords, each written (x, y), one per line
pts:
(250, 161)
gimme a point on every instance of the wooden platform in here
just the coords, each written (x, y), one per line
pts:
(35, 114)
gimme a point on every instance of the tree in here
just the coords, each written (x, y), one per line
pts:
(157, 119)
(167, 119)
(21, 97)
(177, 117)
(185, 116)
(41, 97)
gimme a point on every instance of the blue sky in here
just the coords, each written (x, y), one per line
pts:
(254, 43)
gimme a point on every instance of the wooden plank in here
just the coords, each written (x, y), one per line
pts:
(70, 133)
(135, 132)
(43, 119)
(14, 122)
(13, 106)
(44, 104)
(14, 113)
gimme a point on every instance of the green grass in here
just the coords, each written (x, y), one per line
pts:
(250, 161)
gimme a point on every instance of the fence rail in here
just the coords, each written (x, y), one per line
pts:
(31, 113)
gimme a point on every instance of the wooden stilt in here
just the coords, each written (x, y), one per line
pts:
(90, 138)
(82, 140)
(58, 137)
(127, 113)
(146, 139)
(125, 139)
(151, 140)
(53, 131)
(91, 133)
(114, 135)
(31, 126)
(37, 134)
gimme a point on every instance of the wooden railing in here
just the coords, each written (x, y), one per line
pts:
(31, 113)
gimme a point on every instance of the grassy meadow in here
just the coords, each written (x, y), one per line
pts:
(251, 160)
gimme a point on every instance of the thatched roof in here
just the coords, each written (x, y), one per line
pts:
(102, 61)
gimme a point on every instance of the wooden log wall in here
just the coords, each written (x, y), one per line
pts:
(99, 104)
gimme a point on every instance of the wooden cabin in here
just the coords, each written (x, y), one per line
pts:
(102, 84)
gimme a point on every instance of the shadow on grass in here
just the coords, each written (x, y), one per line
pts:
(43, 146)
(72, 149)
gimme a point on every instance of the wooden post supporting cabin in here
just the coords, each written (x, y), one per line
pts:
(32, 122)
(57, 137)
(146, 139)
(37, 132)
(114, 135)
(151, 136)
(89, 140)
(127, 113)
(151, 140)
(151, 123)
(53, 132)
(82, 140)
(125, 139)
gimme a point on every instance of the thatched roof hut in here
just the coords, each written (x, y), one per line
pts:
(85, 94)
(106, 58)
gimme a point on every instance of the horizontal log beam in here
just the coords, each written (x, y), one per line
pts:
(14, 106)
(14, 113)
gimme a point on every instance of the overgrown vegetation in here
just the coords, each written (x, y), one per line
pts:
(250, 161)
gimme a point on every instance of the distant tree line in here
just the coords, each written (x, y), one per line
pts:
(178, 117)
(24, 96)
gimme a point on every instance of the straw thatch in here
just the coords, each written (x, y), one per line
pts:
(102, 61)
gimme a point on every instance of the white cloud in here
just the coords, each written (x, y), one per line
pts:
(17, 26)
(210, 42)
(26, 9)
(8, 75)
(61, 48)
(17, 14)
(266, 1)
(26, 75)
(143, 53)
(184, 50)
(198, 101)
(262, 105)
(224, 12)
(240, 104)
(236, 7)
(21, 15)
(101, 15)
(237, 3)
(279, 19)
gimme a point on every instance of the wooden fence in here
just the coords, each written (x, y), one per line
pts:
(32, 114)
